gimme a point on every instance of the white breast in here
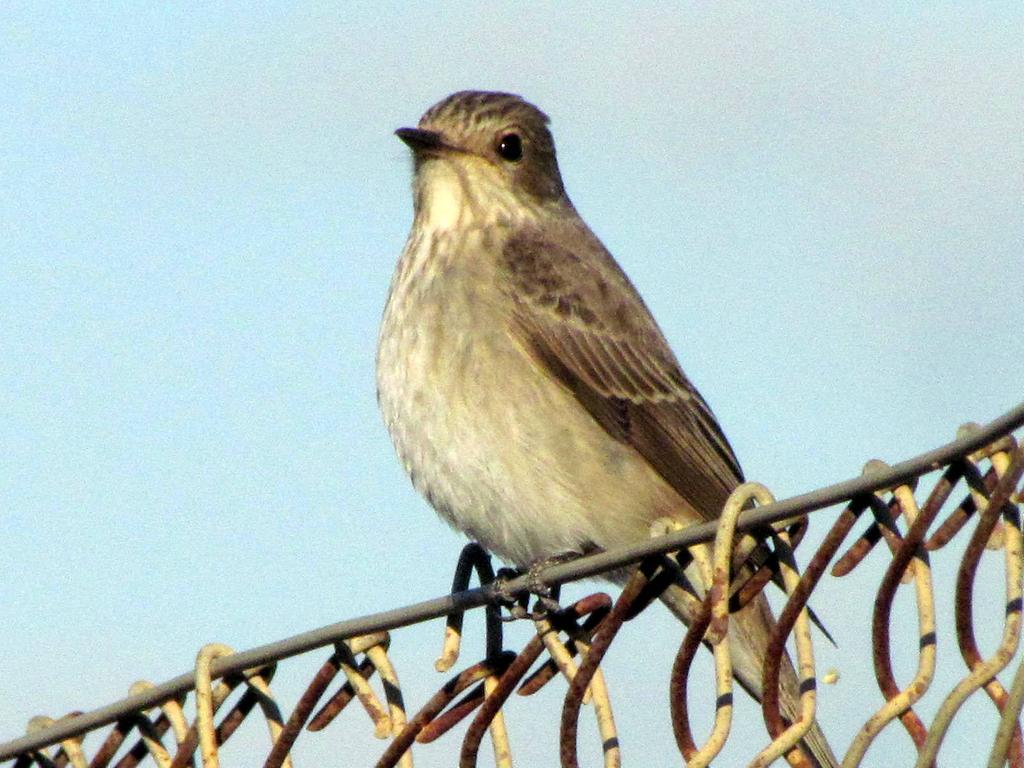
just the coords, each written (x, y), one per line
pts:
(500, 449)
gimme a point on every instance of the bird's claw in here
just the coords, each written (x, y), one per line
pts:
(516, 601)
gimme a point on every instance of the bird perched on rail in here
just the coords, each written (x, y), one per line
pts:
(527, 388)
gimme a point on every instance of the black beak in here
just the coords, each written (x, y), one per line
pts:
(420, 140)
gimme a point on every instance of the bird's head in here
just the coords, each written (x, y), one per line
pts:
(482, 154)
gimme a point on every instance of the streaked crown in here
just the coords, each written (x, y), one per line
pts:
(502, 128)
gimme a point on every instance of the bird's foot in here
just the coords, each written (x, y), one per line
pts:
(514, 600)
(547, 596)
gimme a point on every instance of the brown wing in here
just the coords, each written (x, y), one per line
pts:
(581, 318)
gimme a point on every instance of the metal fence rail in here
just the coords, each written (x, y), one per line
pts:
(976, 497)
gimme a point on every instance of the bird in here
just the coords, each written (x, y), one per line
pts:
(528, 391)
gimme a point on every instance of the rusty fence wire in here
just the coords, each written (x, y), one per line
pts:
(974, 493)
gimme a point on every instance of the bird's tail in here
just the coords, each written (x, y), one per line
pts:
(749, 632)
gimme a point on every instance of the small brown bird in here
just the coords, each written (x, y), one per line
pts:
(528, 390)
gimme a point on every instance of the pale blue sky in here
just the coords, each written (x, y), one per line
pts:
(200, 212)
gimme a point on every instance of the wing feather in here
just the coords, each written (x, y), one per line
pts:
(581, 318)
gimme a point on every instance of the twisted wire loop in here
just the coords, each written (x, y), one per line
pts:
(975, 497)
(711, 624)
(473, 558)
(797, 619)
(911, 555)
(209, 699)
(982, 672)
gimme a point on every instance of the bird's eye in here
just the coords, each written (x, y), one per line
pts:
(510, 147)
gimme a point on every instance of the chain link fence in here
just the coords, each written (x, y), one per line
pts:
(974, 493)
